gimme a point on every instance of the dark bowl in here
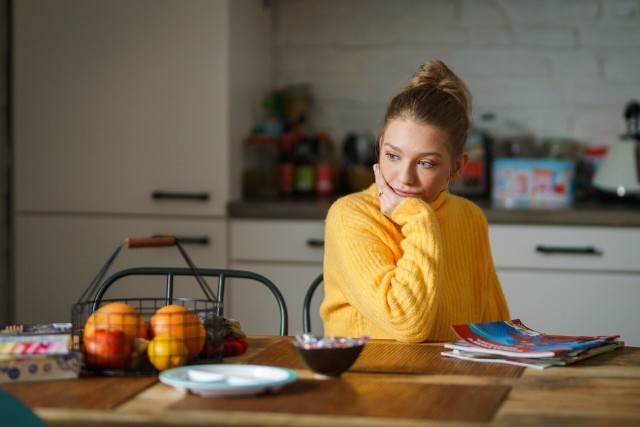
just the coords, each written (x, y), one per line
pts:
(329, 361)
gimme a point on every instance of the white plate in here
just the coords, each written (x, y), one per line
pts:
(228, 380)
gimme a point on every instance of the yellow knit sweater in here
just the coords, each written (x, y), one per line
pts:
(409, 278)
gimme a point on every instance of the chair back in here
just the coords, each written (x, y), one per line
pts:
(306, 304)
(221, 274)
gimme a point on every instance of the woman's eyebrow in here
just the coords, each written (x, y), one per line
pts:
(426, 153)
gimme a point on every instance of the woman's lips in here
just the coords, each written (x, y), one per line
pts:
(405, 193)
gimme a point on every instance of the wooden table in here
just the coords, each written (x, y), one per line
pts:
(391, 384)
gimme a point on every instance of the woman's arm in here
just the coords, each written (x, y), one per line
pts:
(389, 269)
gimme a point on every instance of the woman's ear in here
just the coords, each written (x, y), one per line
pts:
(458, 166)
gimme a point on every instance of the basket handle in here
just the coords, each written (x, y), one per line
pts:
(147, 242)
(150, 242)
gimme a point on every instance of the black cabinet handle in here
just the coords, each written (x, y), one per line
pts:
(568, 250)
(188, 240)
(315, 243)
(176, 195)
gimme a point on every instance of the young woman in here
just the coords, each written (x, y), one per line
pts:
(405, 259)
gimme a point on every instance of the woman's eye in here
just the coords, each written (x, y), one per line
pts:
(392, 156)
(425, 164)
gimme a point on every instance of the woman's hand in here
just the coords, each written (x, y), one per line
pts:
(388, 198)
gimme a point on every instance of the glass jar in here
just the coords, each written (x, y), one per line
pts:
(260, 177)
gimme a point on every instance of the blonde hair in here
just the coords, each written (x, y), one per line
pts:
(435, 96)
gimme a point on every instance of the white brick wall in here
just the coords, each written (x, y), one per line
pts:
(556, 67)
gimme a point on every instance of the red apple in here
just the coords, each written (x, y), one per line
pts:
(107, 349)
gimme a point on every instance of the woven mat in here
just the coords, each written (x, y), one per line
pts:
(373, 396)
(360, 397)
(82, 393)
(380, 357)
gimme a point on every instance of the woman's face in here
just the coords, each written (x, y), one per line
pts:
(415, 159)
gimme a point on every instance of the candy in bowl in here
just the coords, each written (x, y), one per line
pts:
(328, 356)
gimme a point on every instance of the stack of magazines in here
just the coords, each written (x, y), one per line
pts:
(513, 343)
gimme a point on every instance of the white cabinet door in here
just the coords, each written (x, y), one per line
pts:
(115, 100)
(58, 256)
(574, 303)
(290, 254)
(256, 308)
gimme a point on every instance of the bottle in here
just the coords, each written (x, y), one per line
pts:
(286, 171)
(260, 167)
(324, 166)
(304, 167)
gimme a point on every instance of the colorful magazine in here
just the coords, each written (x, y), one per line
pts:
(465, 351)
(514, 339)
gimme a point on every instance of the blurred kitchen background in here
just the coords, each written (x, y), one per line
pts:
(550, 79)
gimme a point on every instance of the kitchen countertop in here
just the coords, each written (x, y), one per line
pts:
(585, 213)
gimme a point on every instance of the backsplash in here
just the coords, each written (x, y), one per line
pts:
(563, 68)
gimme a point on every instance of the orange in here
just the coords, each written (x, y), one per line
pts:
(119, 316)
(166, 351)
(182, 323)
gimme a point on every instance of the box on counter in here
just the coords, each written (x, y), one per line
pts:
(35, 344)
(39, 367)
(533, 183)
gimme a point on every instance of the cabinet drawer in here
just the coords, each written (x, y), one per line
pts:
(566, 248)
(289, 241)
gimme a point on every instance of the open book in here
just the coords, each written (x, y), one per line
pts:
(514, 343)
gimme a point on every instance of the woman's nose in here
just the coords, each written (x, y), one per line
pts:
(407, 174)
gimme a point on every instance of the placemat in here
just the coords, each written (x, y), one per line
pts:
(398, 358)
(361, 397)
(86, 393)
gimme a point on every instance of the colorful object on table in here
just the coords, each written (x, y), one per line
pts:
(513, 343)
(234, 346)
(235, 340)
(39, 367)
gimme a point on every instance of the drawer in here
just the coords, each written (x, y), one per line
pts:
(566, 248)
(277, 240)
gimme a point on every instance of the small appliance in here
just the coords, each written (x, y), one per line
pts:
(618, 176)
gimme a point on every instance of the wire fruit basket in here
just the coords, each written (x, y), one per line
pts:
(142, 336)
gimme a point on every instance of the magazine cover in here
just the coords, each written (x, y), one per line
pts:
(513, 338)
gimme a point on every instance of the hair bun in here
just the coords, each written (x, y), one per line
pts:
(436, 74)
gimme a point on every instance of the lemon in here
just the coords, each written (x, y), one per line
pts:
(166, 351)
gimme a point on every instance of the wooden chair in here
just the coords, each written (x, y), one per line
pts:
(306, 304)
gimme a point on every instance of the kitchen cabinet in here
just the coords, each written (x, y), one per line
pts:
(65, 253)
(290, 254)
(571, 280)
(128, 120)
